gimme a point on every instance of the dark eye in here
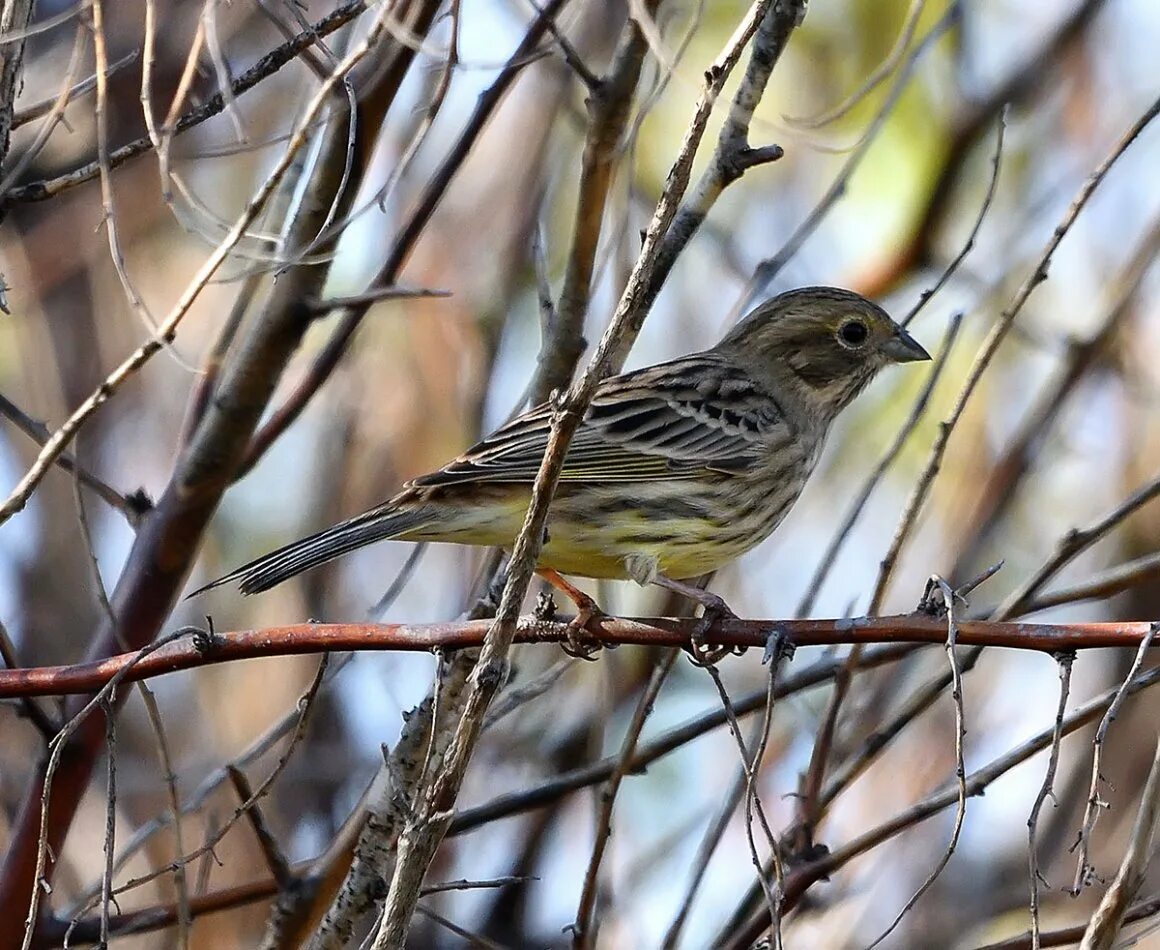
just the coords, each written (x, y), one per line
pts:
(854, 333)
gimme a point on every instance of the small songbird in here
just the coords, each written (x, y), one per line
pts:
(676, 470)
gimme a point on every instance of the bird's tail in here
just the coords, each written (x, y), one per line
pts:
(272, 569)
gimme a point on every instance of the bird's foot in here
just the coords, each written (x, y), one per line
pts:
(716, 610)
(579, 641)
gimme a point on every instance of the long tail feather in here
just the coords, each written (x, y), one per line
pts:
(272, 569)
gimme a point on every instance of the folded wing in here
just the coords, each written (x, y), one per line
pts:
(682, 419)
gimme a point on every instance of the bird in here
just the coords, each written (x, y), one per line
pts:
(675, 470)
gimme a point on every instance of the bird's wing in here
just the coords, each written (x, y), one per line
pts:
(676, 420)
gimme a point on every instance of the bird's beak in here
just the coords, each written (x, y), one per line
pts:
(903, 348)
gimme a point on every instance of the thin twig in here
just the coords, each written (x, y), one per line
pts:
(1082, 357)
(584, 928)
(269, 64)
(1109, 916)
(276, 861)
(1115, 580)
(986, 354)
(1067, 936)
(59, 743)
(1074, 543)
(801, 878)
(948, 600)
(167, 329)
(768, 269)
(753, 805)
(132, 506)
(1095, 803)
(711, 840)
(1065, 661)
(880, 73)
(304, 707)
(108, 845)
(969, 244)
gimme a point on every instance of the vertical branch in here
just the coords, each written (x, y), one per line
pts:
(733, 155)
(1095, 802)
(609, 107)
(14, 19)
(1109, 916)
(584, 929)
(1065, 661)
(421, 837)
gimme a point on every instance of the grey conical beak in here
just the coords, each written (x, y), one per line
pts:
(903, 348)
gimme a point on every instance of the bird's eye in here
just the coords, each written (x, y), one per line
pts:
(853, 333)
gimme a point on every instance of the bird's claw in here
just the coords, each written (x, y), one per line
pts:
(700, 652)
(579, 641)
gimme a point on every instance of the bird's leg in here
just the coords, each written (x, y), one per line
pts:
(580, 642)
(715, 609)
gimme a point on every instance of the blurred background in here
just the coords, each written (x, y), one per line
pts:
(1062, 428)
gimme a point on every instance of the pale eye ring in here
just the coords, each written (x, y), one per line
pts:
(853, 333)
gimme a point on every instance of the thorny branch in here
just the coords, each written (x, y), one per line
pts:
(191, 652)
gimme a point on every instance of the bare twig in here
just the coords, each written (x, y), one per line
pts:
(167, 329)
(968, 245)
(971, 123)
(132, 506)
(1109, 916)
(304, 708)
(59, 743)
(948, 601)
(1065, 661)
(801, 878)
(1081, 358)
(1067, 936)
(1114, 580)
(508, 702)
(991, 345)
(768, 269)
(1095, 802)
(880, 73)
(711, 840)
(108, 846)
(1074, 543)
(584, 929)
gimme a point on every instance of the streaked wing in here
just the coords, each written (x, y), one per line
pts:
(681, 419)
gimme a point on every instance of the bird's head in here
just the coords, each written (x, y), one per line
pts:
(820, 346)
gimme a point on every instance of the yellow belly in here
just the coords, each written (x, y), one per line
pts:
(593, 536)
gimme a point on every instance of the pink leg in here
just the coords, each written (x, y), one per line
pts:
(580, 641)
(715, 609)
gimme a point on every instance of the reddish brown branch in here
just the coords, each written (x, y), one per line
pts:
(190, 653)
